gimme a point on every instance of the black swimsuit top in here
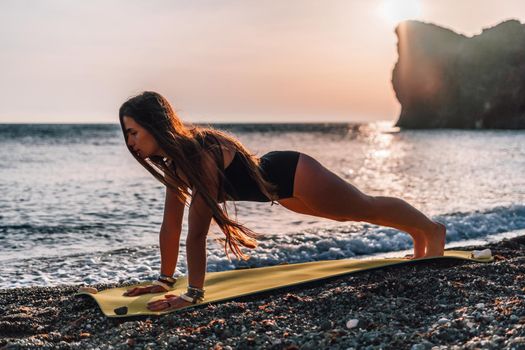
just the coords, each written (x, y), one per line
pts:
(238, 183)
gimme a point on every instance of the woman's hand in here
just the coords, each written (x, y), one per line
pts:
(144, 290)
(171, 302)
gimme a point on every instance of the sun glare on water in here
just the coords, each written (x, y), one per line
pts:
(395, 11)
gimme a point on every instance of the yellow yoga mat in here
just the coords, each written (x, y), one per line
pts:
(226, 285)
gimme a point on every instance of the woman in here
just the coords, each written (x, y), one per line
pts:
(217, 168)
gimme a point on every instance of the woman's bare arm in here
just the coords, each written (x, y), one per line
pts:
(199, 220)
(170, 232)
(169, 242)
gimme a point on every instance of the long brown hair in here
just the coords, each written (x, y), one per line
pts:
(185, 145)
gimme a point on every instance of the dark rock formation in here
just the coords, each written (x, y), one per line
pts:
(447, 80)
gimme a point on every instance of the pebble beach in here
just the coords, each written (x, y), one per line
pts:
(445, 304)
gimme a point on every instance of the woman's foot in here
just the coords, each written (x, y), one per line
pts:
(435, 241)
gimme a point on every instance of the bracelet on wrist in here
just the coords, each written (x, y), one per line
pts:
(170, 281)
(162, 275)
(193, 295)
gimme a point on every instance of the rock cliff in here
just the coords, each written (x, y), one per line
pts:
(447, 80)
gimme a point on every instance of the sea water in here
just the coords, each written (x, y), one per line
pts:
(75, 206)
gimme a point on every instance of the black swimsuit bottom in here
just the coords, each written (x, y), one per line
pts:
(277, 167)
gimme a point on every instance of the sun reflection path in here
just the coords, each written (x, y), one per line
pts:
(383, 160)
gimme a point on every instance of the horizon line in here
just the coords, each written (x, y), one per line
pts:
(234, 123)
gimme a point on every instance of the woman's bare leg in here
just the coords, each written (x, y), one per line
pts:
(334, 198)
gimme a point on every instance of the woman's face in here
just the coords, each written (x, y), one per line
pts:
(140, 140)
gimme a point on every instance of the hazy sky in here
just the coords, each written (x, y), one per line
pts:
(222, 61)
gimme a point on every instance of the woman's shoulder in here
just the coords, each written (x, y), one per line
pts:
(227, 147)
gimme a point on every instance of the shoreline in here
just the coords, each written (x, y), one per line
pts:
(449, 304)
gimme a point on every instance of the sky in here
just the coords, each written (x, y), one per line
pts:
(246, 61)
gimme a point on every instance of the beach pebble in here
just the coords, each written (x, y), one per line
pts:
(517, 343)
(400, 335)
(443, 320)
(480, 305)
(352, 323)
(326, 325)
(421, 346)
(482, 254)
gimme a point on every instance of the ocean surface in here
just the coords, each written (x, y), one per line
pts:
(76, 208)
